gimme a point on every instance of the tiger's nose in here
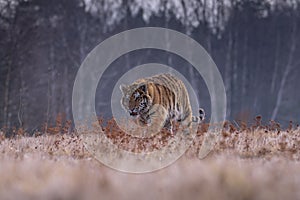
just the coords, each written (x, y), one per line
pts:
(132, 113)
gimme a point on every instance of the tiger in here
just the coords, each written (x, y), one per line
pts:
(159, 101)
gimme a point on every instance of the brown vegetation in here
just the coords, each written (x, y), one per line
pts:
(248, 162)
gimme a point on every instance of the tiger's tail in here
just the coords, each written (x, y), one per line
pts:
(200, 118)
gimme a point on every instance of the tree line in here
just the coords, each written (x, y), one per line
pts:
(254, 43)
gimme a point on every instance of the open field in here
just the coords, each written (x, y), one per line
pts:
(247, 163)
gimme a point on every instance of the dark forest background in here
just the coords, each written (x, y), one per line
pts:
(255, 44)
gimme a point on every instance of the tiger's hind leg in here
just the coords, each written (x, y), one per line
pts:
(185, 124)
(191, 123)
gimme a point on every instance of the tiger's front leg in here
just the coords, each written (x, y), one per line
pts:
(157, 118)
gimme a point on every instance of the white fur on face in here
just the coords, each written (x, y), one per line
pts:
(136, 95)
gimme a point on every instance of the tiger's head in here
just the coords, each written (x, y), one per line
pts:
(136, 99)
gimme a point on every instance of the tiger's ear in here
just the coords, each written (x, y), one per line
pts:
(143, 88)
(123, 88)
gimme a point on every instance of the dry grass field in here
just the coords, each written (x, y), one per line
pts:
(257, 162)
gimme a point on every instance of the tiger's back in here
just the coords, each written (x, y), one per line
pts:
(172, 95)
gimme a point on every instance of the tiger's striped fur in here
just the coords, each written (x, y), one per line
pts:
(159, 100)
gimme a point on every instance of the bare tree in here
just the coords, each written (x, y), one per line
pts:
(8, 14)
(288, 68)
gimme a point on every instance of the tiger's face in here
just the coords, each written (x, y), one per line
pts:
(136, 101)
